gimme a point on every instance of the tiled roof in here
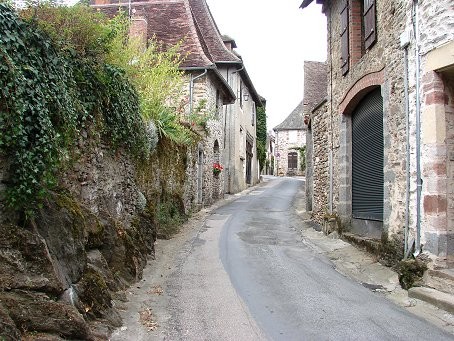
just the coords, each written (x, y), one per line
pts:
(294, 121)
(170, 22)
(315, 84)
(210, 33)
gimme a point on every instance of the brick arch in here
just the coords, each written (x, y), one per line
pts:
(360, 89)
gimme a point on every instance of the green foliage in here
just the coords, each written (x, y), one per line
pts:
(154, 72)
(302, 152)
(52, 90)
(261, 136)
(77, 29)
(410, 272)
(124, 125)
(37, 112)
(169, 218)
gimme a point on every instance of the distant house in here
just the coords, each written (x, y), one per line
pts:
(217, 84)
(270, 148)
(240, 139)
(290, 137)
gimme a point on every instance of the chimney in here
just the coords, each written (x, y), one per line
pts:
(100, 2)
(229, 42)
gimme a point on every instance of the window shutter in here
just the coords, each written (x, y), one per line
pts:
(345, 55)
(370, 29)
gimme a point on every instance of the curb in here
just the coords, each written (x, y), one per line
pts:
(437, 298)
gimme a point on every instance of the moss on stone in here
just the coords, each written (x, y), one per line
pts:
(410, 272)
(94, 293)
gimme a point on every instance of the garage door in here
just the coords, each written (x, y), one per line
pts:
(367, 158)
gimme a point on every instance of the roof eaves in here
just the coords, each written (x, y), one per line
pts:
(255, 96)
(317, 106)
(230, 94)
(306, 3)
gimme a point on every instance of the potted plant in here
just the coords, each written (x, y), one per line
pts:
(217, 168)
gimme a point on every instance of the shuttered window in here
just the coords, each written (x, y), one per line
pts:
(345, 54)
(368, 158)
(292, 160)
(370, 29)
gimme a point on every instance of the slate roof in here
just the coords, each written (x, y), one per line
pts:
(315, 84)
(315, 91)
(294, 121)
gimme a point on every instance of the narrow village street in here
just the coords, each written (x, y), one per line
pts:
(243, 271)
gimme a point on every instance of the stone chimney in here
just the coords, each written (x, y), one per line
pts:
(229, 42)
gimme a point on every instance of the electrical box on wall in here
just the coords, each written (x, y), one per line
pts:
(405, 38)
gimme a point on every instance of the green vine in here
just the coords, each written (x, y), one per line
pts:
(37, 113)
(49, 94)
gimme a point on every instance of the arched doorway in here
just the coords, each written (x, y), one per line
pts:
(200, 176)
(368, 160)
(216, 178)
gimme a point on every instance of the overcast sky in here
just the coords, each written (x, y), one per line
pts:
(274, 38)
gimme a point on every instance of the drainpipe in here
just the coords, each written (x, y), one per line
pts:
(330, 157)
(191, 89)
(418, 131)
(405, 44)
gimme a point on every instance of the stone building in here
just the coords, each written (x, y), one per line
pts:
(216, 85)
(317, 170)
(290, 137)
(388, 118)
(270, 147)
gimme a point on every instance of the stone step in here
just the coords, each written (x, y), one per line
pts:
(442, 280)
(435, 297)
(371, 245)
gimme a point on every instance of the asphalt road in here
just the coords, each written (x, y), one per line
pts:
(248, 275)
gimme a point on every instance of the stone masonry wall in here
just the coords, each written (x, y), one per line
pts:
(381, 66)
(213, 186)
(284, 146)
(321, 136)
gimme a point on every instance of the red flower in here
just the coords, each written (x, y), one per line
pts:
(217, 168)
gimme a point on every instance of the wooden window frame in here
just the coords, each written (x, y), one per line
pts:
(345, 37)
(370, 23)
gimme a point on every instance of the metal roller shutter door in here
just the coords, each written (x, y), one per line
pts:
(367, 158)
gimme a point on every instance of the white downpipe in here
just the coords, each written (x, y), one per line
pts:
(407, 166)
(191, 89)
(418, 131)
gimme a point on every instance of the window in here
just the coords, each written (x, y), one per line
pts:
(218, 102)
(292, 161)
(369, 20)
(241, 94)
(345, 53)
(358, 30)
(253, 114)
